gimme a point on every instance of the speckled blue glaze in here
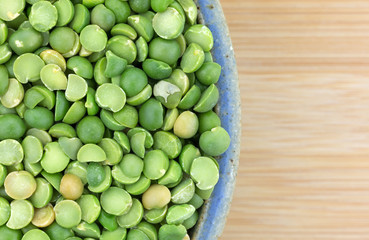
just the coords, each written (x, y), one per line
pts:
(215, 211)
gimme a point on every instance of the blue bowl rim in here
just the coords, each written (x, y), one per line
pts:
(214, 212)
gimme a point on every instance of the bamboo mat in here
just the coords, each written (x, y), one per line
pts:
(304, 80)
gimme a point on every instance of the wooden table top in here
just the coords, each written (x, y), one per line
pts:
(304, 80)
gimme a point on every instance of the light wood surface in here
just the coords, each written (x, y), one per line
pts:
(304, 80)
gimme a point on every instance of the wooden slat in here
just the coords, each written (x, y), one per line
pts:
(304, 79)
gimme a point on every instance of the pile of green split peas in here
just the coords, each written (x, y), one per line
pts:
(107, 128)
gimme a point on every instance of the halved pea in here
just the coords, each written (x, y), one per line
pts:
(3, 174)
(6, 53)
(133, 80)
(105, 184)
(133, 216)
(11, 126)
(4, 211)
(76, 47)
(70, 146)
(177, 214)
(4, 80)
(110, 97)
(138, 144)
(180, 79)
(121, 9)
(156, 69)
(122, 139)
(91, 153)
(196, 201)
(215, 142)
(11, 152)
(3, 32)
(33, 168)
(93, 38)
(113, 151)
(11, 10)
(115, 65)
(208, 100)
(116, 201)
(201, 35)
(168, 94)
(137, 234)
(131, 165)
(167, 232)
(142, 25)
(123, 47)
(65, 12)
(168, 24)
(71, 186)
(42, 135)
(81, 66)
(182, 44)
(151, 115)
(99, 71)
(193, 58)
(53, 77)
(119, 233)
(108, 221)
(43, 16)
(81, 18)
(183, 192)
(186, 125)
(121, 177)
(68, 213)
(49, 97)
(127, 116)
(191, 98)
(54, 159)
(53, 57)
(138, 187)
(32, 98)
(204, 172)
(170, 118)
(168, 143)
(53, 179)
(155, 216)
(43, 217)
(14, 95)
(191, 221)
(103, 17)
(109, 121)
(173, 174)
(90, 207)
(209, 73)
(55, 231)
(190, 9)
(42, 196)
(62, 130)
(142, 49)
(84, 52)
(35, 234)
(62, 39)
(91, 105)
(21, 214)
(76, 88)
(125, 30)
(75, 113)
(141, 97)
(88, 231)
(188, 154)
(27, 67)
(156, 164)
